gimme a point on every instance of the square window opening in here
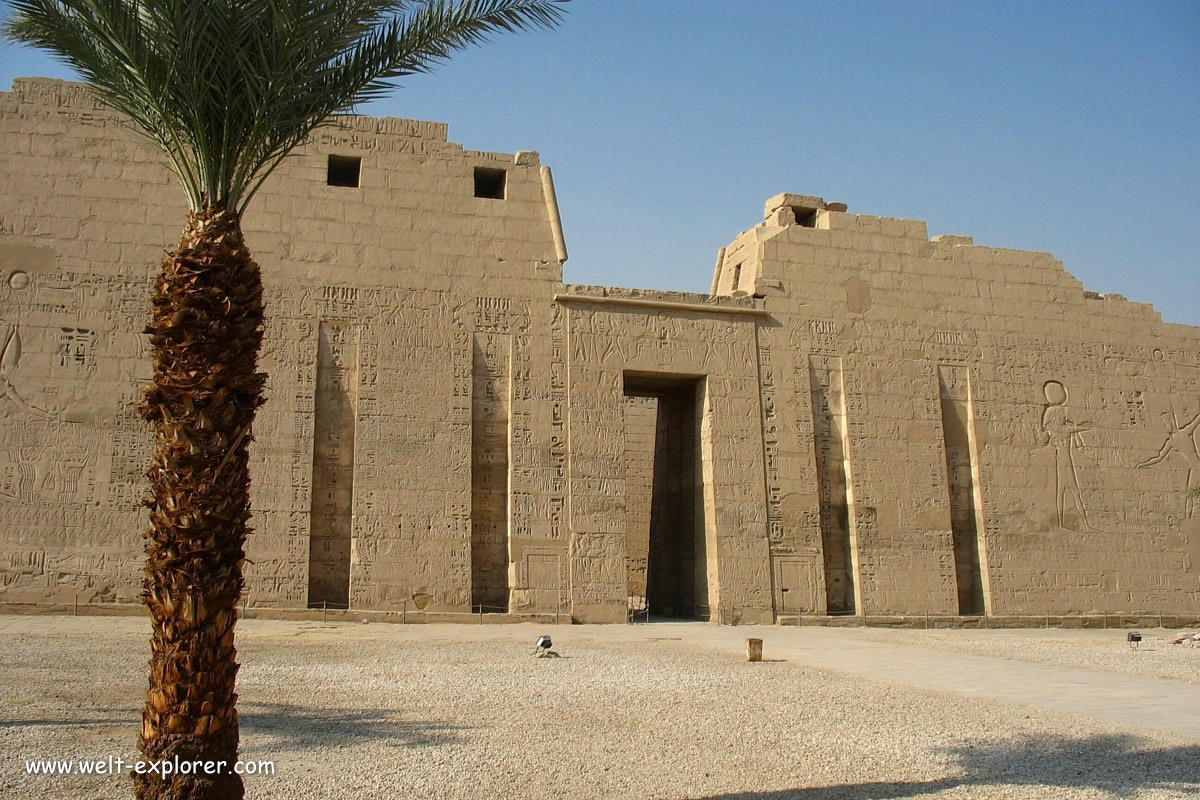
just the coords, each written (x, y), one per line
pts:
(344, 171)
(489, 183)
(806, 217)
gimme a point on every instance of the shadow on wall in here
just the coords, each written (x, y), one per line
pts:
(277, 727)
(1113, 763)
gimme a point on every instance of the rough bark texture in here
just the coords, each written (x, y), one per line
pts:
(205, 336)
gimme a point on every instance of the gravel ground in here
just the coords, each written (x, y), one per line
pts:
(1094, 650)
(383, 711)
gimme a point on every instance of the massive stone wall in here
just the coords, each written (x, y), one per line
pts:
(856, 420)
(379, 299)
(989, 435)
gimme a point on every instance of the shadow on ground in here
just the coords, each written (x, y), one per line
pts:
(1115, 763)
(66, 723)
(299, 728)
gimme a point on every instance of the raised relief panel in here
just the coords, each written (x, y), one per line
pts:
(544, 580)
(14, 388)
(1179, 447)
(1062, 430)
(796, 584)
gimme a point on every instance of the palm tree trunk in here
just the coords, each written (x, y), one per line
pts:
(205, 337)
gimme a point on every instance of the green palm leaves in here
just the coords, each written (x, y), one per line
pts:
(227, 88)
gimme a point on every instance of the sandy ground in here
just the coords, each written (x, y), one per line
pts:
(463, 711)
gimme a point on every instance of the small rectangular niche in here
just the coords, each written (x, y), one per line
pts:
(489, 183)
(806, 217)
(344, 171)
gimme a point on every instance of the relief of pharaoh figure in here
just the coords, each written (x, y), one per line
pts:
(1061, 431)
(10, 356)
(1181, 441)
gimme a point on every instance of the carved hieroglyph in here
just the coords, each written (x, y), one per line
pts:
(858, 419)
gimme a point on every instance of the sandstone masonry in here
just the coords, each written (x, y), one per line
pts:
(856, 420)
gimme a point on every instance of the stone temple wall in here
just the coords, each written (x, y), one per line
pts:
(988, 436)
(856, 420)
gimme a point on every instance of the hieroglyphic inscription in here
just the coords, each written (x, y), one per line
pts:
(76, 348)
(770, 434)
(525, 455)
(336, 403)
(948, 345)
(557, 469)
(966, 512)
(132, 446)
(491, 407)
(830, 438)
(823, 335)
(494, 314)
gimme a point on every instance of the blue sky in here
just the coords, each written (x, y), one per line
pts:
(1069, 127)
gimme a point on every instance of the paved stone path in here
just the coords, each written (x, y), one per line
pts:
(1150, 703)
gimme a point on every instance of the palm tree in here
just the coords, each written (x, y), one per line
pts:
(227, 89)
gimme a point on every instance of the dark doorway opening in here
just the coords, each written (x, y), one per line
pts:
(667, 553)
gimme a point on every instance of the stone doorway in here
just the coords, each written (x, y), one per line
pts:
(667, 566)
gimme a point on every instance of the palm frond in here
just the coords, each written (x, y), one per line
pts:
(228, 88)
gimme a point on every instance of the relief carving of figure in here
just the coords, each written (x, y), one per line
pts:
(1181, 441)
(1064, 434)
(10, 356)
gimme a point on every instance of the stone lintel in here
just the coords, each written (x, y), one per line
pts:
(797, 202)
